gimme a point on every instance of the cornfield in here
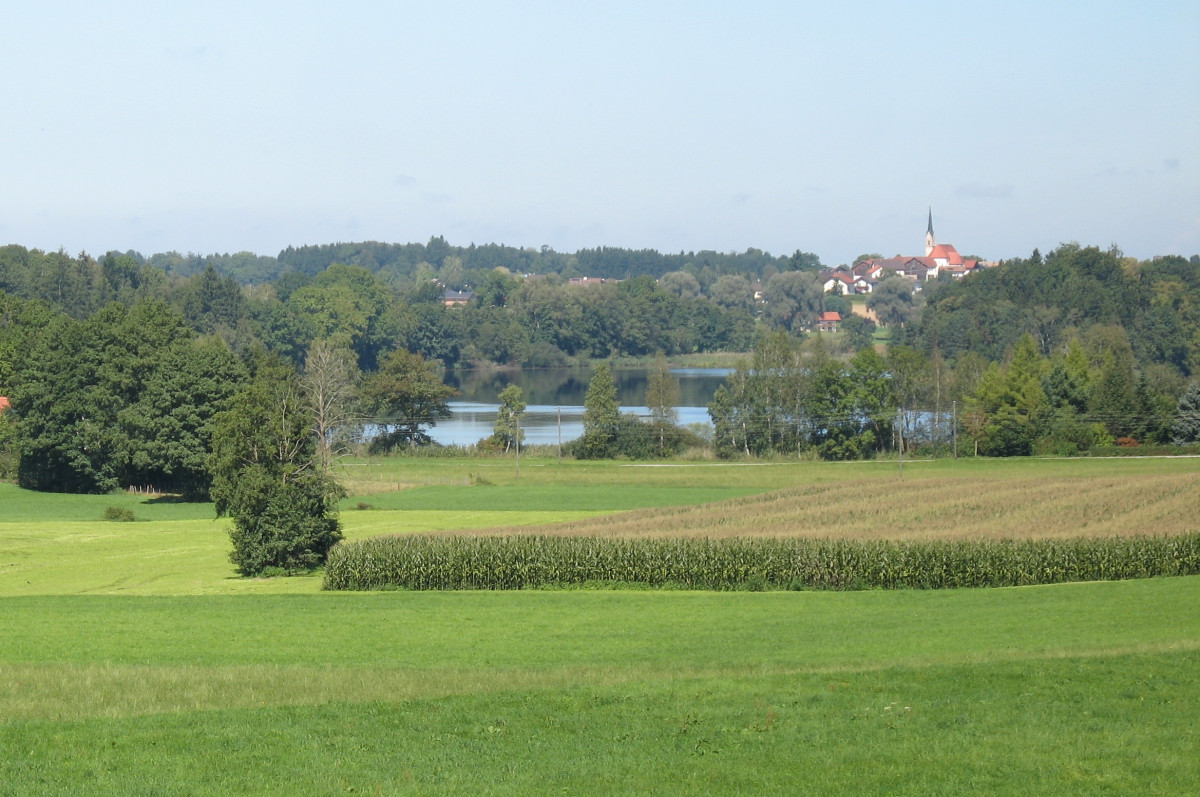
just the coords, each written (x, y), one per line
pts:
(425, 562)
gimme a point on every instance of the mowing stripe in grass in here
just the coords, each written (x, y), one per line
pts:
(72, 691)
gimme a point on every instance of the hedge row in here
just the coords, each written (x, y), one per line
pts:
(524, 562)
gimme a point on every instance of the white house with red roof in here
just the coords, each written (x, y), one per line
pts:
(837, 281)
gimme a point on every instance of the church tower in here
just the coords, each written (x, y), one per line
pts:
(929, 242)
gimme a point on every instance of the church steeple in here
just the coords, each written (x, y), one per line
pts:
(929, 240)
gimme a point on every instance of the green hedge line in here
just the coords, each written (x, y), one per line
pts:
(1144, 451)
(525, 562)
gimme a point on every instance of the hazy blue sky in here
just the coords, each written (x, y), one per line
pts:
(227, 126)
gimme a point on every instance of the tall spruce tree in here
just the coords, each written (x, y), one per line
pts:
(1186, 428)
(601, 416)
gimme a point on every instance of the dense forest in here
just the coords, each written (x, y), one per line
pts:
(118, 367)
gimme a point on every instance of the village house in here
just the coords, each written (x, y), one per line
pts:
(837, 281)
(457, 298)
(828, 321)
(590, 280)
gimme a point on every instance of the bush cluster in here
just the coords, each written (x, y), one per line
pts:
(523, 562)
(120, 514)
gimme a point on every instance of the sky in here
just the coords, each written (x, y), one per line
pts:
(833, 128)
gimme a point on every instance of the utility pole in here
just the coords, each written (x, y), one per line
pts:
(954, 425)
(518, 419)
(560, 435)
(900, 437)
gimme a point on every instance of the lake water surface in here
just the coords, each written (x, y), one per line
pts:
(554, 400)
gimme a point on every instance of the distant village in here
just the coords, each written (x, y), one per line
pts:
(938, 259)
(857, 279)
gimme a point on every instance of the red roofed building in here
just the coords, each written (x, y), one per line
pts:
(828, 321)
(4, 403)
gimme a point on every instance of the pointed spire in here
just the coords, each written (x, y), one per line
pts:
(929, 239)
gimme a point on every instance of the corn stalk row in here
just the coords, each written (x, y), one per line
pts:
(430, 562)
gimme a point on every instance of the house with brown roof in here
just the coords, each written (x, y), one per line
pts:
(4, 403)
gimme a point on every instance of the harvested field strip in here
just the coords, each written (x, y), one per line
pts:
(926, 508)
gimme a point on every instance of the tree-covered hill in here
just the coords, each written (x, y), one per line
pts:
(1070, 292)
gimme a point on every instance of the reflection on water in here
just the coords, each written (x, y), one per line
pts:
(554, 399)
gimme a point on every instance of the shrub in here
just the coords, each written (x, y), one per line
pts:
(121, 514)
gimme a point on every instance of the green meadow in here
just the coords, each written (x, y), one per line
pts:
(134, 661)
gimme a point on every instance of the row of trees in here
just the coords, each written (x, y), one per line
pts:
(793, 399)
(470, 264)
(788, 401)
(1067, 403)
(608, 433)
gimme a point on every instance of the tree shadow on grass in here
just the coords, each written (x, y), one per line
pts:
(171, 499)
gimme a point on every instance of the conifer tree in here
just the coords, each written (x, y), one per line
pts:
(1187, 418)
(265, 476)
(601, 415)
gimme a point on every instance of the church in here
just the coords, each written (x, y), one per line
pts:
(938, 259)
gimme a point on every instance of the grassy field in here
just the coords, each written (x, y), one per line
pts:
(132, 661)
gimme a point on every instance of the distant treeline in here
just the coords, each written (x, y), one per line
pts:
(394, 261)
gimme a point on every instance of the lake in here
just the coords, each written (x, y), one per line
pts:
(554, 399)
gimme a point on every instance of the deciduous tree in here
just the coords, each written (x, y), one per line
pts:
(895, 301)
(793, 299)
(330, 388)
(662, 397)
(403, 398)
(507, 431)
